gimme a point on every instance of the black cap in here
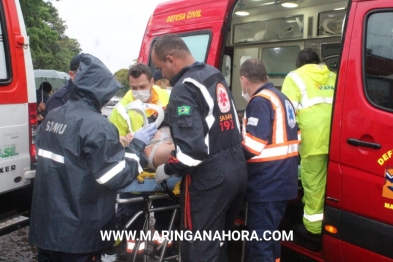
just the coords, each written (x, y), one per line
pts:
(157, 75)
(74, 64)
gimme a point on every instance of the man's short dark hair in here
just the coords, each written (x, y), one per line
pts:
(254, 70)
(157, 75)
(170, 45)
(75, 61)
(307, 56)
(46, 87)
(138, 69)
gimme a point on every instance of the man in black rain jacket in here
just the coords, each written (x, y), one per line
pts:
(209, 155)
(81, 165)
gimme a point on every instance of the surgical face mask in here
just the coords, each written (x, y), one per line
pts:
(142, 95)
(245, 95)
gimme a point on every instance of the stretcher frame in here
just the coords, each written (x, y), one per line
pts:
(148, 199)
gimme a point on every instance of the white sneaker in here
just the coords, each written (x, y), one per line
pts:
(108, 258)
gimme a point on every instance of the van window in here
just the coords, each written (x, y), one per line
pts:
(3, 65)
(280, 60)
(330, 55)
(379, 60)
(198, 45)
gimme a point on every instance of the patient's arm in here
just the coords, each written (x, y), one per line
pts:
(161, 154)
(161, 150)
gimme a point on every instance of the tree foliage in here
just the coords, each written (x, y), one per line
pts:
(122, 77)
(50, 47)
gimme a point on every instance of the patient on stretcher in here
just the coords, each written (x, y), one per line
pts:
(158, 153)
(160, 148)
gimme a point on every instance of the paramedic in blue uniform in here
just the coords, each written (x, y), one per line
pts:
(208, 151)
(270, 143)
(80, 165)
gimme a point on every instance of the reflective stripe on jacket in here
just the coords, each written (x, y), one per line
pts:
(81, 164)
(280, 147)
(131, 120)
(203, 118)
(270, 143)
(311, 89)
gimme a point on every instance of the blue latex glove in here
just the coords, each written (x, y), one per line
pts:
(146, 134)
(161, 175)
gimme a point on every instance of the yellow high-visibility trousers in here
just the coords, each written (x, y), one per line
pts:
(313, 170)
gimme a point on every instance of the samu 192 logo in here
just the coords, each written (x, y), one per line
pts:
(8, 152)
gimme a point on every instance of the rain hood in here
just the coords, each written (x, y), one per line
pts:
(94, 82)
(319, 73)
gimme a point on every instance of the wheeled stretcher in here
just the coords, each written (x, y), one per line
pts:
(150, 252)
(145, 189)
(149, 185)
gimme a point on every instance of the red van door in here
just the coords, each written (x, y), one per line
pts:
(359, 196)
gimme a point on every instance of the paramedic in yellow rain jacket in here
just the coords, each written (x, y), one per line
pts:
(140, 79)
(311, 88)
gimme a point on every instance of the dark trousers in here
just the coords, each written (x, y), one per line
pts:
(43, 255)
(51, 256)
(212, 204)
(163, 218)
(263, 218)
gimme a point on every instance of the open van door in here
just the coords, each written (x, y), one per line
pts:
(359, 196)
(203, 26)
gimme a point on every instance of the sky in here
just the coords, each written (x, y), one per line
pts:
(111, 30)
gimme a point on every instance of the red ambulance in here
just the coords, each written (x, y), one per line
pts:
(355, 39)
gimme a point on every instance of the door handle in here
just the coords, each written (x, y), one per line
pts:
(356, 142)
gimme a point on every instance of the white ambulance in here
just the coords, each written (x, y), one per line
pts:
(18, 119)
